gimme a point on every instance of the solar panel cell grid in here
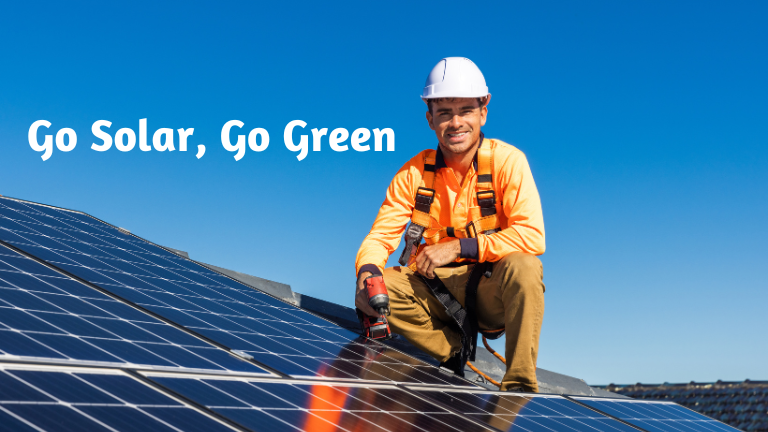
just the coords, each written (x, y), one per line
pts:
(47, 315)
(505, 411)
(278, 335)
(657, 416)
(283, 406)
(66, 401)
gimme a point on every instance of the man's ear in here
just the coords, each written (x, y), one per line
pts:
(429, 120)
(483, 115)
(484, 110)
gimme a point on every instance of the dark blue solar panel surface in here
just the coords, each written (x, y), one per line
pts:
(657, 416)
(281, 406)
(274, 333)
(45, 314)
(65, 401)
(506, 412)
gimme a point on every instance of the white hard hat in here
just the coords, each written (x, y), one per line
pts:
(455, 77)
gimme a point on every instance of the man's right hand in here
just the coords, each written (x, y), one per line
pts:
(361, 297)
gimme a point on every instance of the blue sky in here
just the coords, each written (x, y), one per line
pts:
(645, 125)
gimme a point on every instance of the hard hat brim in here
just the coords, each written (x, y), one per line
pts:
(473, 96)
(441, 90)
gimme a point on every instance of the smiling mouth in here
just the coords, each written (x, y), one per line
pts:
(458, 134)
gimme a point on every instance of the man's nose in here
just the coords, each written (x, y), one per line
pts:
(456, 121)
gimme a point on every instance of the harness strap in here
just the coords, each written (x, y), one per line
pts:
(420, 219)
(487, 225)
(467, 329)
(470, 300)
(422, 205)
(484, 167)
(486, 197)
(447, 232)
(486, 222)
(464, 318)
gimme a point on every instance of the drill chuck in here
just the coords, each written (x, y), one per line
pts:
(380, 303)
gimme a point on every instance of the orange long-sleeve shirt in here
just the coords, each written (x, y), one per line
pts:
(518, 207)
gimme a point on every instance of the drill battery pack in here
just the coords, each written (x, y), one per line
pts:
(374, 327)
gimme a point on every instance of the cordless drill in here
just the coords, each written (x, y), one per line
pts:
(375, 327)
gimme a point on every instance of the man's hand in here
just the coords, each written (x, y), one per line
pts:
(437, 255)
(361, 297)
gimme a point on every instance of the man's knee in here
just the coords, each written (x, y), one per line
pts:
(519, 262)
(525, 269)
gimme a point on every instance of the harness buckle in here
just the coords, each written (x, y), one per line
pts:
(472, 230)
(412, 239)
(424, 199)
(486, 198)
(487, 201)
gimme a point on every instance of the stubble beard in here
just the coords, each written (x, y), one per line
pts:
(461, 148)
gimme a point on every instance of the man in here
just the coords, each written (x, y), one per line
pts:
(474, 202)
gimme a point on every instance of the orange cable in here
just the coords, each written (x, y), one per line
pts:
(498, 356)
(482, 374)
(479, 372)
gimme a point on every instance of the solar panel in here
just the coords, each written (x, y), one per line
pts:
(524, 412)
(655, 416)
(80, 298)
(59, 399)
(274, 333)
(283, 405)
(44, 314)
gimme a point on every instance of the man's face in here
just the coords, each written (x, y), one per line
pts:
(457, 123)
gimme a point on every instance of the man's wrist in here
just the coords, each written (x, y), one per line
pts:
(469, 248)
(371, 268)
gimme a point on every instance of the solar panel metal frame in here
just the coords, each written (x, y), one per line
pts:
(238, 353)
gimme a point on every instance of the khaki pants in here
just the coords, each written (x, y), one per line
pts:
(512, 298)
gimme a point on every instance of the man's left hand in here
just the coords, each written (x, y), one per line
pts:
(437, 255)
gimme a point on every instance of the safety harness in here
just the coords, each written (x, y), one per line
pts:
(423, 225)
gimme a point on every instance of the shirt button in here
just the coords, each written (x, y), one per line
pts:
(458, 205)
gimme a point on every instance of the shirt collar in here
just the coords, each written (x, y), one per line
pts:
(440, 162)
